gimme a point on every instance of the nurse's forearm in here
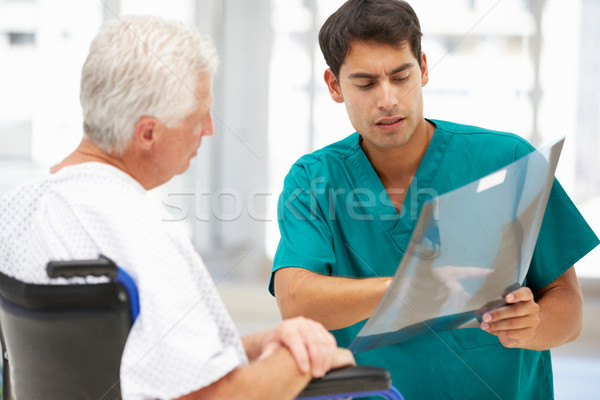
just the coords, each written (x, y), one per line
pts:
(335, 302)
(560, 312)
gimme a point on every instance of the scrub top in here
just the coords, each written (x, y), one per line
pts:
(336, 218)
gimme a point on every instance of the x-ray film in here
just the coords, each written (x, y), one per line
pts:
(470, 246)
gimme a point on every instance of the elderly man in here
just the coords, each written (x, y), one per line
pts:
(146, 98)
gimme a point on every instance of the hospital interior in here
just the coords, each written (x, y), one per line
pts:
(531, 67)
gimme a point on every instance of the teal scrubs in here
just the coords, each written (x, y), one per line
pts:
(336, 218)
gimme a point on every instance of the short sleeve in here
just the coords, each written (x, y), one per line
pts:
(184, 339)
(564, 238)
(306, 237)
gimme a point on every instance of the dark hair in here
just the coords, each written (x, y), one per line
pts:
(385, 21)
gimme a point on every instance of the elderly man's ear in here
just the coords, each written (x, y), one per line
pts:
(147, 131)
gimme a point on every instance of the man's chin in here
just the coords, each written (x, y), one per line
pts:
(181, 170)
(389, 143)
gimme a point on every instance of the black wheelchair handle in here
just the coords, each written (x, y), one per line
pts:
(102, 266)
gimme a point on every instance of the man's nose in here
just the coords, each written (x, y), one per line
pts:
(387, 97)
(209, 127)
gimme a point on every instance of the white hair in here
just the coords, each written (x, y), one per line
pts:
(141, 66)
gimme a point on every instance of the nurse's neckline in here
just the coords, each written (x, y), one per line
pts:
(394, 168)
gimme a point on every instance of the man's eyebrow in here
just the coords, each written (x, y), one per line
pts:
(366, 75)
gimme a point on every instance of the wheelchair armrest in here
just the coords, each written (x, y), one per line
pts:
(348, 380)
(102, 266)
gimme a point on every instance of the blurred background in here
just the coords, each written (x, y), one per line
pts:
(531, 67)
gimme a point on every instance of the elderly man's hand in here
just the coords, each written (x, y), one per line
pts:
(311, 345)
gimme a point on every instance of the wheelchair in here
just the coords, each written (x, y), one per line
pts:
(65, 341)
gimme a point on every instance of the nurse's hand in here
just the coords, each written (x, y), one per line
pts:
(514, 324)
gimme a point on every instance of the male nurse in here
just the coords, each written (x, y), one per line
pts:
(347, 211)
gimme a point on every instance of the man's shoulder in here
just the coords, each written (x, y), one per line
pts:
(493, 146)
(80, 188)
(20, 199)
(478, 135)
(92, 173)
(340, 150)
(327, 156)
